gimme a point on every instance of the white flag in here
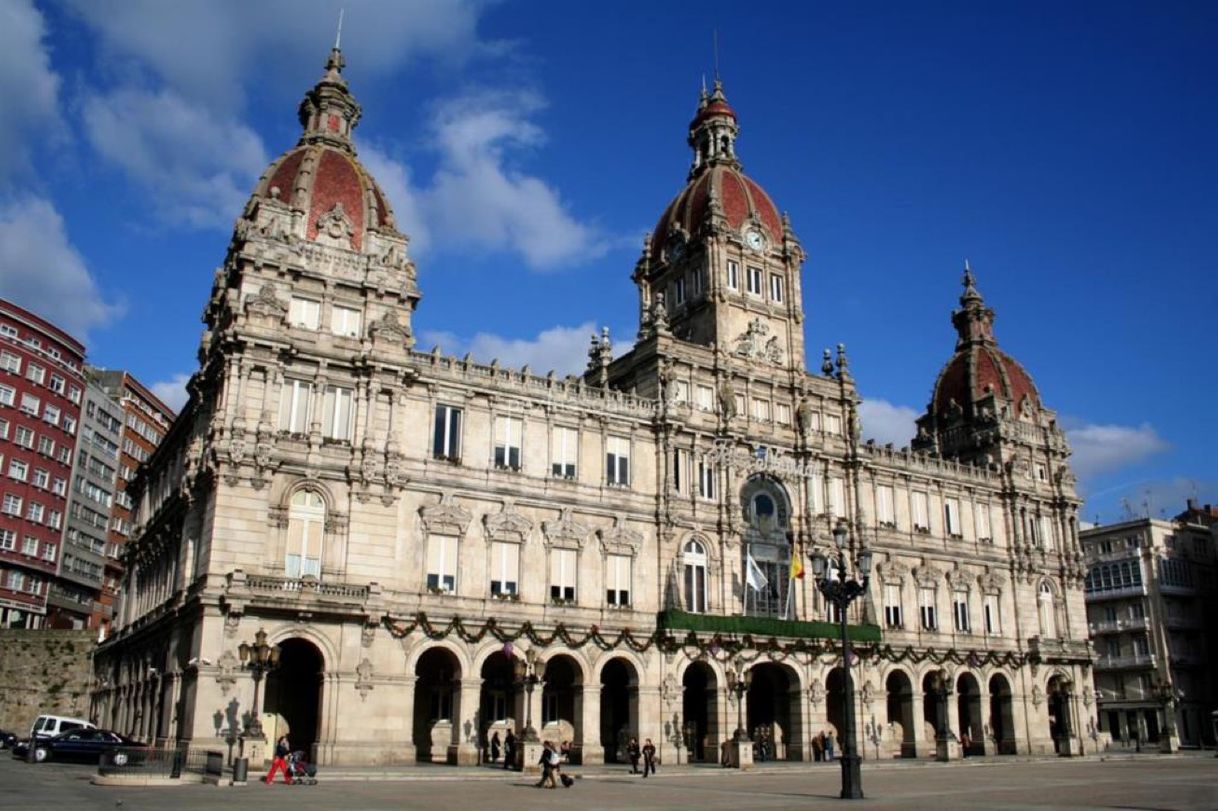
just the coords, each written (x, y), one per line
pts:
(756, 578)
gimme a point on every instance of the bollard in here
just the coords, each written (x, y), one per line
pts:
(241, 768)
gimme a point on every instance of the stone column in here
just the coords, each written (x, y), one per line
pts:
(463, 751)
(648, 711)
(410, 749)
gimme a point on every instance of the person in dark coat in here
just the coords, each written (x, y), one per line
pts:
(509, 749)
(632, 752)
(494, 747)
(649, 757)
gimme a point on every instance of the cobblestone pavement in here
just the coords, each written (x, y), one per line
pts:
(1148, 782)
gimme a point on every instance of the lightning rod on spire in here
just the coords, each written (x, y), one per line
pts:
(715, 48)
(338, 36)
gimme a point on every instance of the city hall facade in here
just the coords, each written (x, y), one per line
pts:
(406, 526)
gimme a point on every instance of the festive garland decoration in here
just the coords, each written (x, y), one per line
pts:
(747, 647)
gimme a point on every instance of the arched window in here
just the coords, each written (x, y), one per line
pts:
(306, 523)
(766, 567)
(1048, 613)
(694, 557)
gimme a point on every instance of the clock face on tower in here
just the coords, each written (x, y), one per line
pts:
(754, 239)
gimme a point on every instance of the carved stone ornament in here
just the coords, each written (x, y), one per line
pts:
(620, 540)
(565, 531)
(446, 518)
(869, 693)
(266, 303)
(366, 635)
(232, 622)
(336, 226)
(277, 516)
(363, 679)
(816, 693)
(227, 669)
(389, 328)
(753, 343)
(893, 571)
(991, 582)
(1038, 695)
(507, 525)
(928, 576)
(670, 690)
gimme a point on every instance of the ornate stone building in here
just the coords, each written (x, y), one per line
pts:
(407, 525)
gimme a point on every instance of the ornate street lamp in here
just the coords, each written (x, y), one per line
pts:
(834, 581)
(526, 677)
(941, 689)
(738, 681)
(259, 658)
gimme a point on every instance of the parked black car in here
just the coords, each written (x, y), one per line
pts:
(7, 738)
(84, 745)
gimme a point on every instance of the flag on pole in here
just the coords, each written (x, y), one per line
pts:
(797, 566)
(756, 578)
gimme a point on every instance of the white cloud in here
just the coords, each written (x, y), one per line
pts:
(29, 87)
(44, 273)
(172, 391)
(408, 208)
(1100, 449)
(199, 168)
(885, 422)
(561, 349)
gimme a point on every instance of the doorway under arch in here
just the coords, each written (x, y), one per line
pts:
(1059, 711)
(435, 697)
(901, 710)
(496, 708)
(1002, 715)
(700, 711)
(293, 692)
(619, 708)
(562, 701)
(968, 712)
(773, 710)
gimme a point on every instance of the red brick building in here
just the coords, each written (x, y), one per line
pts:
(41, 387)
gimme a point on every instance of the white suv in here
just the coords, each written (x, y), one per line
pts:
(48, 726)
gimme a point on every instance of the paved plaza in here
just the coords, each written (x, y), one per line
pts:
(1148, 782)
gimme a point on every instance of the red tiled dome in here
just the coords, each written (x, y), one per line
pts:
(977, 370)
(740, 196)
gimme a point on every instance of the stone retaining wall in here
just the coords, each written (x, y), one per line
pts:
(43, 672)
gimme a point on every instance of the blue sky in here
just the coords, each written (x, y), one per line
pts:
(1066, 149)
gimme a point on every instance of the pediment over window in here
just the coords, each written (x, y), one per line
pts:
(507, 525)
(892, 571)
(620, 540)
(565, 531)
(927, 575)
(445, 518)
(991, 582)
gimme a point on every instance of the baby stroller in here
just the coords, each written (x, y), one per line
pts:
(300, 770)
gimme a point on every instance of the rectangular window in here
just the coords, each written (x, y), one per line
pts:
(564, 452)
(617, 461)
(48, 552)
(57, 384)
(294, 406)
(345, 321)
(695, 279)
(68, 424)
(55, 521)
(18, 470)
(776, 288)
(761, 410)
(29, 546)
(816, 494)
(60, 487)
(617, 580)
(16, 580)
(754, 279)
(11, 505)
(681, 391)
(706, 480)
(705, 398)
(337, 413)
(42, 479)
(505, 568)
(981, 513)
(74, 395)
(51, 414)
(921, 512)
(36, 512)
(884, 512)
(837, 497)
(833, 425)
(3, 429)
(893, 617)
(960, 612)
(36, 373)
(990, 608)
(30, 404)
(508, 431)
(562, 575)
(782, 414)
(25, 437)
(442, 563)
(304, 312)
(1046, 533)
(446, 437)
(739, 398)
(678, 291)
(8, 395)
(10, 362)
(8, 540)
(733, 274)
(926, 609)
(680, 470)
(951, 517)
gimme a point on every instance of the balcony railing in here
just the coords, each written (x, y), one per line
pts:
(763, 626)
(1138, 660)
(1116, 626)
(302, 588)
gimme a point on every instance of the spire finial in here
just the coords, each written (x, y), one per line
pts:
(338, 36)
(715, 46)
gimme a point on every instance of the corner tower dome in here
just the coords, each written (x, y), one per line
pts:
(716, 183)
(333, 198)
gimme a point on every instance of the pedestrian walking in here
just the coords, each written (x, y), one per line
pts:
(509, 749)
(547, 766)
(632, 752)
(829, 746)
(649, 757)
(818, 747)
(280, 761)
(495, 747)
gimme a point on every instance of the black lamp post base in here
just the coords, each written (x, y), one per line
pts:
(852, 777)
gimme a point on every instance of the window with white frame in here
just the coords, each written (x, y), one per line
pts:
(8, 395)
(11, 504)
(837, 497)
(680, 470)
(74, 394)
(35, 373)
(706, 479)
(694, 564)
(55, 519)
(1046, 533)
(42, 479)
(833, 425)
(345, 321)
(1047, 611)
(68, 424)
(48, 552)
(678, 291)
(442, 563)
(754, 280)
(294, 402)
(57, 384)
(960, 611)
(681, 391)
(3, 429)
(508, 432)
(18, 470)
(951, 517)
(8, 540)
(782, 414)
(617, 580)
(926, 609)
(740, 403)
(981, 514)
(695, 280)
(9, 331)
(617, 461)
(29, 546)
(921, 512)
(30, 404)
(16, 580)
(51, 414)
(25, 438)
(306, 527)
(36, 512)
(60, 486)
(733, 274)
(989, 607)
(816, 494)
(562, 575)
(776, 288)
(705, 398)
(10, 362)
(564, 452)
(894, 617)
(304, 312)
(505, 568)
(46, 446)
(884, 511)
(446, 436)
(337, 413)
(761, 410)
